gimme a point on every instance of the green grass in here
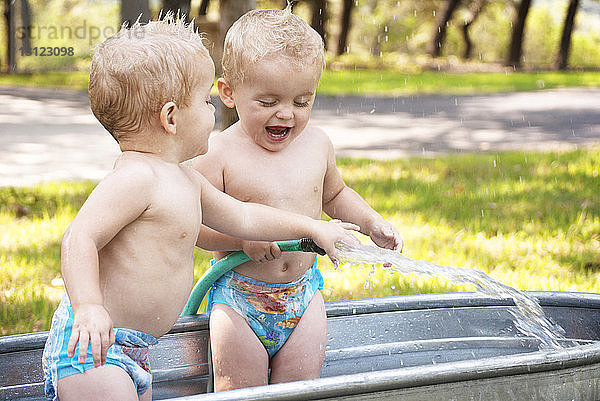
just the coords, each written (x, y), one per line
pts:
(531, 220)
(68, 80)
(379, 82)
(391, 83)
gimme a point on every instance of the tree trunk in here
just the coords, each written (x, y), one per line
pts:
(11, 62)
(230, 11)
(319, 17)
(345, 22)
(435, 47)
(203, 9)
(181, 7)
(17, 15)
(516, 41)
(25, 22)
(132, 9)
(562, 58)
(476, 9)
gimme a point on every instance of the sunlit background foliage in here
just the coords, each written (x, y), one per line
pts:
(384, 33)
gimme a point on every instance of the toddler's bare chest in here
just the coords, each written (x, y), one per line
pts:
(292, 186)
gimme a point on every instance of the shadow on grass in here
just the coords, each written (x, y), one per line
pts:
(41, 263)
(43, 200)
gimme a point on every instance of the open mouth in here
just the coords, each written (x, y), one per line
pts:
(278, 133)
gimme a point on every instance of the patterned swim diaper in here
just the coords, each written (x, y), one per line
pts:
(271, 309)
(129, 352)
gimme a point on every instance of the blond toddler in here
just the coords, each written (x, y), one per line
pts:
(268, 314)
(127, 257)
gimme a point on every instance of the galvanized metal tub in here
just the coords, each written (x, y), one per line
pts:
(458, 346)
(447, 347)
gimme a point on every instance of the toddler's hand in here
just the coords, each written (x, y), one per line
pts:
(385, 235)
(332, 232)
(261, 251)
(91, 325)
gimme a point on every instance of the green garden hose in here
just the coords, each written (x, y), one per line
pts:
(234, 259)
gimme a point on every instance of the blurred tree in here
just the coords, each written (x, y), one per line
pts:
(131, 10)
(17, 16)
(177, 6)
(319, 18)
(435, 47)
(562, 57)
(345, 21)
(516, 40)
(230, 11)
(25, 12)
(202, 10)
(10, 43)
(402, 27)
(475, 8)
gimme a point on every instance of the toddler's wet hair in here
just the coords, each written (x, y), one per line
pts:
(260, 33)
(142, 67)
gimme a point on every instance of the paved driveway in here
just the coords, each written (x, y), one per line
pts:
(49, 134)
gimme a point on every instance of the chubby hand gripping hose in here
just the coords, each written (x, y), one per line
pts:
(234, 259)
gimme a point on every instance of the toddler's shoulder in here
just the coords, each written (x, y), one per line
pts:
(135, 166)
(196, 176)
(316, 132)
(317, 136)
(319, 140)
(219, 144)
(219, 139)
(214, 155)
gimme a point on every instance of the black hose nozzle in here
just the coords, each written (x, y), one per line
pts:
(308, 245)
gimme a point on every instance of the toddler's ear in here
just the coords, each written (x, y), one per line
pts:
(226, 93)
(167, 117)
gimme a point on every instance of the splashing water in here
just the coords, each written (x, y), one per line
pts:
(529, 317)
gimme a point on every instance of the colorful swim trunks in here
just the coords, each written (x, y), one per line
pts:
(130, 352)
(272, 310)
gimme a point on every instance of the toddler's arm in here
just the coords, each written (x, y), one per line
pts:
(257, 222)
(258, 251)
(212, 240)
(119, 199)
(342, 202)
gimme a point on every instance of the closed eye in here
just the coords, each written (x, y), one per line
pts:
(267, 103)
(302, 104)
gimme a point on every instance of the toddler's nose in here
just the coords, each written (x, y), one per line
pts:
(285, 113)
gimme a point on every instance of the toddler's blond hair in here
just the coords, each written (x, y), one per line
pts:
(260, 33)
(142, 67)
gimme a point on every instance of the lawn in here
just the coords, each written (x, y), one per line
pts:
(378, 82)
(531, 220)
(391, 83)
